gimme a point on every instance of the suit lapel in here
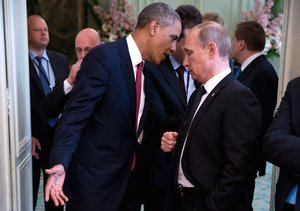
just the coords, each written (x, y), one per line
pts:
(207, 102)
(128, 74)
(244, 74)
(169, 73)
(56, 67)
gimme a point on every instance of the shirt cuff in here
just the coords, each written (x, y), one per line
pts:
(67, 87)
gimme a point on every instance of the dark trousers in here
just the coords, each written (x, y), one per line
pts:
(132, 199)
(251, 188)
(37, 167)
(189, 199)
(288, 207)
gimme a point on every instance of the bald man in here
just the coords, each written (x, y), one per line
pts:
(85, 41)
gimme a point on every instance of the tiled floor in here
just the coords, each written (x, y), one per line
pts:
(261, 197)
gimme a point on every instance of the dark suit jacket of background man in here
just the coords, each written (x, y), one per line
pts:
(101, 134)
(39, 122)
(222, 146)
(261, 78)
(281, 144)
(167, 108)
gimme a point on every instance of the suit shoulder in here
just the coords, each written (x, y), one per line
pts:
(56, 54)
(294, 84)
(236, 87)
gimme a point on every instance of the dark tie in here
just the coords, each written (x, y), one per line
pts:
(138, 90)
(43, 77)
(237, 72)
(180, 72)
(192, 110)
(46, 86)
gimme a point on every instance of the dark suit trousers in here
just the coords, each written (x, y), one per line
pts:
(40, 165)
(37, 167)
(132, 199)
(190, 200)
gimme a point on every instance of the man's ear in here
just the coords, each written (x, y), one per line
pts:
(154, 25)
(212, 49)
(242, 44)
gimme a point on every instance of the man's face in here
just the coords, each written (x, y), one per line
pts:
(179, 52)
(38, 35)
(164, 42)
(197, 58)
(83, 45)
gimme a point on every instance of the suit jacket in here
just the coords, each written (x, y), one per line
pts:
(220, 155)
(281, 145)
(39, 122)
(96, 137)
(167, 108)
(261, 78)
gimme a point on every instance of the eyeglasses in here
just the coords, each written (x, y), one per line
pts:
(80, 50)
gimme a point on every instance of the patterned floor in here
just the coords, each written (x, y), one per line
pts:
(261, 196)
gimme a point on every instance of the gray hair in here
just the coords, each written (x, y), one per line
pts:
(214, 32)
(159, 11)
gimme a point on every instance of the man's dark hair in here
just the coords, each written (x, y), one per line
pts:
(190, 16)
(252, 33)
(163, 13)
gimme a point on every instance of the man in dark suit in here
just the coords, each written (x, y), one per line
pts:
(257, 73)
(167, 108)
(56, 70)
(96, 148)
(281, 146)
(217, 145)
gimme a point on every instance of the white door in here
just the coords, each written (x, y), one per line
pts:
(15, 131)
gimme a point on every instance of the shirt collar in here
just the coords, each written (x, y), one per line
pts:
(213, 82)
(175, 63)
(134, 51)
(32, 55)
(249, 60)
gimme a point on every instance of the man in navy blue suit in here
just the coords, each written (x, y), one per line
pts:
(56, 70)
(167, 107)
(257, 73)
(96, 149)
(281, 146)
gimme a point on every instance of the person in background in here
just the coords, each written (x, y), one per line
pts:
(281, 146)
(216, 148)
(96, 152)
(213, 16)
(47, 69)
(257, 73)
(170, 90)
(85, 41)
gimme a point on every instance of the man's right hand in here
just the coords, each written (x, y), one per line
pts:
(54, 185)
(73, 72)
(35, 145)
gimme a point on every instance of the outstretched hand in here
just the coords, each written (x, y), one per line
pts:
(54, 185)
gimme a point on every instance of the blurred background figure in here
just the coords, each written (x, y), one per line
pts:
(257, 73)
(213, 16)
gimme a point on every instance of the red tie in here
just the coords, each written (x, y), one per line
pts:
(138, 87)
(180, 72)
(138, 84)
